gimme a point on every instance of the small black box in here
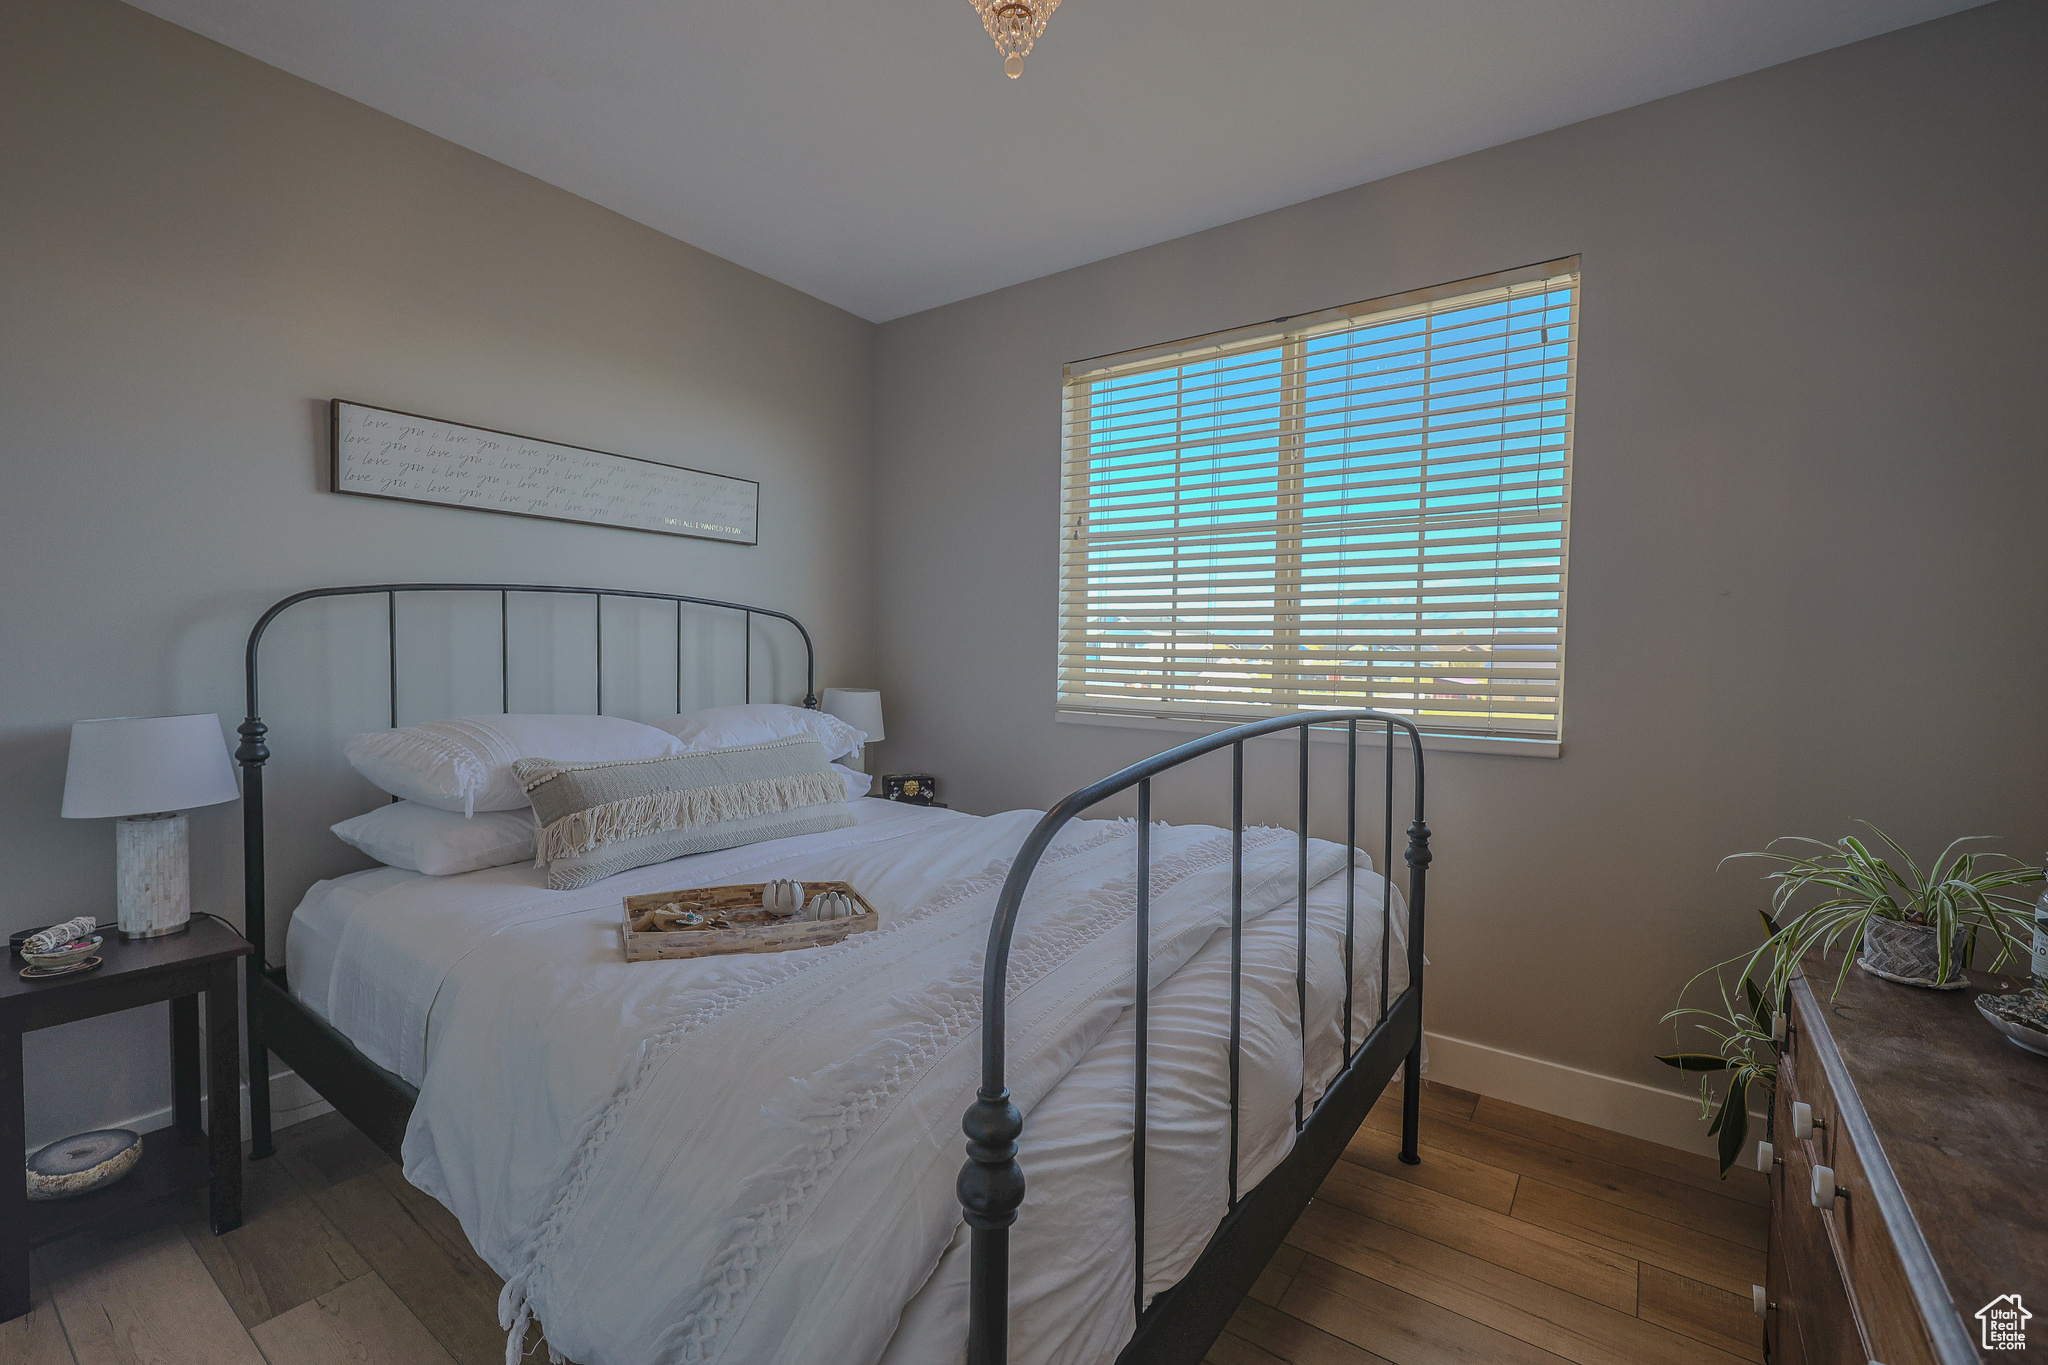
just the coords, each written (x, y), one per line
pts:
(916, 788)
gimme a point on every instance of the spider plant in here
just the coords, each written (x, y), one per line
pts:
(1959, 895)
(1743, 1047)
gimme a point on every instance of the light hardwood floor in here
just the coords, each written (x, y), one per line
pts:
(1521, 1238)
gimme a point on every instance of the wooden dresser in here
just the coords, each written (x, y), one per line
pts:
(1936, 1132)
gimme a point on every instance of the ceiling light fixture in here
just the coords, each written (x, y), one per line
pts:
(1015, 25)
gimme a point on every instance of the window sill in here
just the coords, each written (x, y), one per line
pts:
(1334, 734)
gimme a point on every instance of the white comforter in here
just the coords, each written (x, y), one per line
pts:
(751, 1159)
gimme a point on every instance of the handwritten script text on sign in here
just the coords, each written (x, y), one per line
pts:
(392, 455)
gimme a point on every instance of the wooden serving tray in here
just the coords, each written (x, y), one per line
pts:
(753, 930)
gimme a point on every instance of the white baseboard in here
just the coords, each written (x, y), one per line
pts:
(1664, 1116)
(291, 1101)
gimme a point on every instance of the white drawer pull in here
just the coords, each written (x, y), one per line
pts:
(1760, 1299)
(1777, 1028)
(1766, 1157)
(1803, 1121)
(1825, 1191)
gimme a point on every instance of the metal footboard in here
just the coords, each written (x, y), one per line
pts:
(991, 1183)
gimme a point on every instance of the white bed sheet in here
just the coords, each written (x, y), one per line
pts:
(386, 1011)
(378, 953)
(313, 943)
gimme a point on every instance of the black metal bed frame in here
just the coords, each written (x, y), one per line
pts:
(376, 1100)
(1179, 1325)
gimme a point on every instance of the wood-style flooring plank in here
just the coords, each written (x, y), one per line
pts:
(1652, 1241)
(1437, 1098)
(1712, 1214)
(1475, 1182)
(1282, 1336)
(1273, 1280)
(325, 1151)
(1342, 1244)
(146, 1300)
(1712, 1315)
(37, 1338)
(285, 1253)
(1557, 1259)
(1230, 1349)
(418, 1250)
(359, 1322)
(1651, 1158)
(1403, 1329)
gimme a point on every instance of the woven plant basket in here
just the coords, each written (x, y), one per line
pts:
(1909, 954)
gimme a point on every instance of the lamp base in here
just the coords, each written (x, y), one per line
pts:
(152, 876)
(165, 932)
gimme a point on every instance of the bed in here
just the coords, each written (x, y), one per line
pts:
(758, 1158)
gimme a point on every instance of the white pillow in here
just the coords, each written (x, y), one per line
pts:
(466, 765)
(439, 842)
(725, 727)
(857, 783)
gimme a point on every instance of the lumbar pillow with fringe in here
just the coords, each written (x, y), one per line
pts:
(598, 819)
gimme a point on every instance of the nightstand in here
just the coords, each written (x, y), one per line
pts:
(182, 1157)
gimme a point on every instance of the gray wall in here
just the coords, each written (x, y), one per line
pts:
(1805, 582)
(196, 251)
(1806, 579)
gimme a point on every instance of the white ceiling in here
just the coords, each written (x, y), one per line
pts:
(875, 156)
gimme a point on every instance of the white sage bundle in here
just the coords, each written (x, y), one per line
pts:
(57, 935)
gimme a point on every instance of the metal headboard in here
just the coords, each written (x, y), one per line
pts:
(252, 753)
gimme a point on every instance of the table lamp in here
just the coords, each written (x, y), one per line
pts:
(860, 707)
(146, 771)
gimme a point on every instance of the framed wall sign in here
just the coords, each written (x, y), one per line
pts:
(379, 453)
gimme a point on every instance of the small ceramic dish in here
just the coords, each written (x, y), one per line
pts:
(76, 968)
(78, 950)
(686, 915)
(2017, 1032)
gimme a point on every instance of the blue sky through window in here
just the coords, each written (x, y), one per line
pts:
(1366, 512)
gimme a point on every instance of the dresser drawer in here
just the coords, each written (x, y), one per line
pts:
(1813, 1300)
(1863, 1250)
(1929, 1125)
(1781, 1324)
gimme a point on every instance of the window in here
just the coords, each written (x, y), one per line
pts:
(1364, 507)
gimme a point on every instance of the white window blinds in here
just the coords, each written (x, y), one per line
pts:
(1367, 507)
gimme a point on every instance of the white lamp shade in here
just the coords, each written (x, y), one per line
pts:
(141, 765)
(860, 707)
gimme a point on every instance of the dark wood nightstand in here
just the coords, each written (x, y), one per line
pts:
(182, 1157)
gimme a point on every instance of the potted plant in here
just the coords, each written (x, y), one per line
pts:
(1897, 921)
(1744, 1046)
